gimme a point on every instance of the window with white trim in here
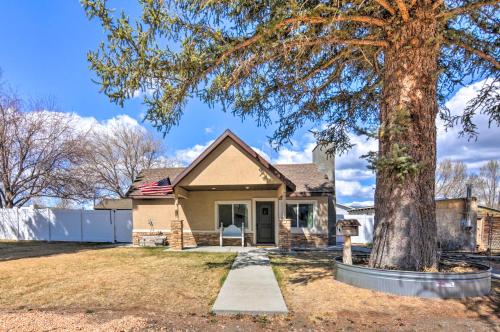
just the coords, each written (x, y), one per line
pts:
(232, 213)
(301, 214)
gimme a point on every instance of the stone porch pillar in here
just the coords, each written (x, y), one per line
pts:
(176, 235)
(285, 234)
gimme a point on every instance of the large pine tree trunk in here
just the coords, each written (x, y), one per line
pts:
(405, 221)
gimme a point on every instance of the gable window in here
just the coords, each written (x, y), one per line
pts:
(232, 213)
(301, 214)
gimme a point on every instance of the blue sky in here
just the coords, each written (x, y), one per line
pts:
(43, 54)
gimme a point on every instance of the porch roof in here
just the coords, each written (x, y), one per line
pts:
(308, 180)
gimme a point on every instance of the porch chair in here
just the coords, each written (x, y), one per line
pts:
(232, 232)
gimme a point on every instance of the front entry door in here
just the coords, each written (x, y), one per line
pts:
(265, 222)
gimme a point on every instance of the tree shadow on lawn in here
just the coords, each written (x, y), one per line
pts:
(226, 263)
(12, 250)
(481, 306)
(305, 267)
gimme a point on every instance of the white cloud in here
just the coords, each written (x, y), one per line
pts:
(298, 153)
(351, 165)
(209, 130)
(121, 120)
(90, 123)
(295, 156)
(186, 156)
(475, 152)
(351, 173)
(262, 153)
(353, 189)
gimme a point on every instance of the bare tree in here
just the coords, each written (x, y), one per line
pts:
(118, 155)
(451, 179)
(488, 184)
(40, 153)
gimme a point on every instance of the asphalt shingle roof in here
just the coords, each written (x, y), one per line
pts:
(307, 178)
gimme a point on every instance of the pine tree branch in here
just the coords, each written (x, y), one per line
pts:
(387, 6)
(466, 9)
(403, 10)
(437, 4)
(475, 51)
(324, 66)
(302, 19)
(334, 40)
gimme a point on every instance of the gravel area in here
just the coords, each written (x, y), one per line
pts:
(47, 321)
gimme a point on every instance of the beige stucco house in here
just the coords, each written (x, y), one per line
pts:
(230, 184)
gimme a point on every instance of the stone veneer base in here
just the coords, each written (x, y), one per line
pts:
(193, 239)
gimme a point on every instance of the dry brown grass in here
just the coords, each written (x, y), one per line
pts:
(91, 287)
(311, 292)
(90, 278)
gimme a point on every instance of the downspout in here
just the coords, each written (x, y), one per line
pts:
(468, 224)
(468, 208)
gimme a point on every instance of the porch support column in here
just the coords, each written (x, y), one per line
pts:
(285, 225)
(285, 234)
(176, 229)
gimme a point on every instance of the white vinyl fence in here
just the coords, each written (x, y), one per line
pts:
(365, 230)
(66, 225)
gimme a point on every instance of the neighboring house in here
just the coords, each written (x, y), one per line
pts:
(114, 204)
(230, 183)
(457, 231)
(488, 229)
(341, 210)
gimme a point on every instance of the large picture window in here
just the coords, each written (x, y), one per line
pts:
(301, 214)
(232, 214)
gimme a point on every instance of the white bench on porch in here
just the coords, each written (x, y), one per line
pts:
(232, 232)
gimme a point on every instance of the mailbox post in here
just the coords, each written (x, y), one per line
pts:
(348, 228)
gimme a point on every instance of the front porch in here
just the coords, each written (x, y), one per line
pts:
(199, 215)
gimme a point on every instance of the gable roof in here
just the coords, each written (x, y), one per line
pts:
(308, 179)
(251, 153)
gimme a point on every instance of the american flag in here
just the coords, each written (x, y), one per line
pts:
(162, 187)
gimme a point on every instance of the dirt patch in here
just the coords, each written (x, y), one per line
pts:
(310, 289)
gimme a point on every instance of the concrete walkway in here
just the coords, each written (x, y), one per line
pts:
(251, 287)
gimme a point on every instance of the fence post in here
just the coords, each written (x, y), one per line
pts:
(49, 219)
(113, 218)
(17, 214)
(81, 225)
